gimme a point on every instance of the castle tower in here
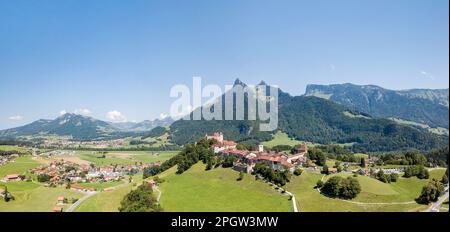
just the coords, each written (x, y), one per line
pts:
(260, 148)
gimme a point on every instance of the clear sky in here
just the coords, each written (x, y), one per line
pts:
(101, 56)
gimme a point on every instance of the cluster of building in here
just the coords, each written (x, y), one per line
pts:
(61, 172)
(369, 171)
(5, 159)
(246, 160)
(67, 143)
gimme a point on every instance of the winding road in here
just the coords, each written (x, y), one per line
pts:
(77, 203)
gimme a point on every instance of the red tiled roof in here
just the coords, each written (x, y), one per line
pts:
(228, 143)
(12, 176)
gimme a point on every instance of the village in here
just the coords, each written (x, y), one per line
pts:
(246, 160)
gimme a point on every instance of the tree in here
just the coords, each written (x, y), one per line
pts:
(7, 196)
(444, 179)
(325, 169)
(140, 200)
(339, 187)
(298, 171)
(394, 177)
(363, 162)
(319, 184)
(43, 178)
(240, 177)
(431, 192)
(417, 170)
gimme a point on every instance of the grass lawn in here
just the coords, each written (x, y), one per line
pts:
(20, 165)
(32, 197)
(125, 157)
(12, 148)
(100, 186)
(281, 138)
(373, 191)
(108, 201)
(217, 190)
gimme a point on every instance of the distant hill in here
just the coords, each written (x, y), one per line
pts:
(425, 106)
(146, 125)
(318, 120)
(72, 125)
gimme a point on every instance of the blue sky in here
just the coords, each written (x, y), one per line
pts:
(125, 56)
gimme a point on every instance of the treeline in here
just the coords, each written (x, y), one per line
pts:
(190, 155)
(386, 178)
(161, 148)
(435, 157)
(14, 142)
(417, 170)
(277, 177)
(433, 190)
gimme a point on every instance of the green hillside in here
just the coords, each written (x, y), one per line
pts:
(217, 190)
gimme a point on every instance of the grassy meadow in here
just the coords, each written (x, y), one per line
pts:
(125, 157)
(109, 201)
(376, 196)
(217, 190)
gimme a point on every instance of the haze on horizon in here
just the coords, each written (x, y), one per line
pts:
(117, 60)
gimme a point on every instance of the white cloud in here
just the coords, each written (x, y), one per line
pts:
(62, 112)
(83, 111)
(16, 118)
(116, 116)
(426, 74)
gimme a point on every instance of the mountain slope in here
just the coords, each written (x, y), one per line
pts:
(428, 107)
(146, 125)
(72, 125)
(317, 120)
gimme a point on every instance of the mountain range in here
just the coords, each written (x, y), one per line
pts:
(351, 114)
(424, 106)
(319, 120)
(81, 127)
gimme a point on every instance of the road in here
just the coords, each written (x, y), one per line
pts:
(437, 205)
(77, 203)
(294, 201)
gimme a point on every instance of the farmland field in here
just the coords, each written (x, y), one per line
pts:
(32, 197)
(20, 165)
(125, 157)
(217, 190)
(281, 138)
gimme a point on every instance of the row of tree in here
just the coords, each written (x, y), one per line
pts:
(277, 177)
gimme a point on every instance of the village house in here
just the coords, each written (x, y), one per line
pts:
(221, 144)
(11, 177)
(332, 170)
